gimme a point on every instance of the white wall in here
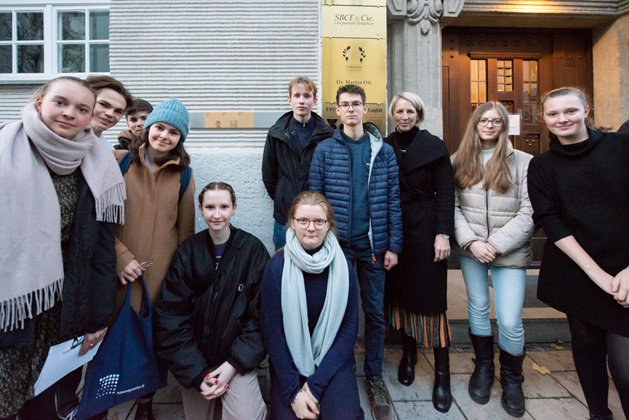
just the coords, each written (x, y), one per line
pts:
(219, 56)
(239, 167)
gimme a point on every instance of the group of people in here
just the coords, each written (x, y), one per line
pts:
(356, 214)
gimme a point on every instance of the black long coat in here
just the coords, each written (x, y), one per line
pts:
(417, 283)
(581, 190)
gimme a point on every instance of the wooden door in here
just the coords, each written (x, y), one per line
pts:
(514, 68)
(513, 80)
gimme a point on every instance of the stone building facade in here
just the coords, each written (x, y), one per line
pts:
(222, 56)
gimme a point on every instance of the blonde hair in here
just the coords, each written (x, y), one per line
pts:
(313, 198)
(414, 99)
(43, 90)
(303, 80)
(563, 91)
(467, 164)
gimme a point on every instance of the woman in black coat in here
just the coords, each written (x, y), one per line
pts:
(207, 323)
(578, 189)
(416, 288)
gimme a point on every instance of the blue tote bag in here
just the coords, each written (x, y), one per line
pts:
(125, 366)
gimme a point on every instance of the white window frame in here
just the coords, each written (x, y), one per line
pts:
(50, 9)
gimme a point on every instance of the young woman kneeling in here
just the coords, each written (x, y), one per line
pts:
(207, 322)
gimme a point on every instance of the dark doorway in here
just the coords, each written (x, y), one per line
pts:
(513, 67)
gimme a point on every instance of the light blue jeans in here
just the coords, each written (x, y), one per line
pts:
(508, 286)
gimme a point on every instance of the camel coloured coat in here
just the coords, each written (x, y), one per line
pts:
(155, 222)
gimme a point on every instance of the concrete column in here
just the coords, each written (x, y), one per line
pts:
(610, 58)
(414, 53)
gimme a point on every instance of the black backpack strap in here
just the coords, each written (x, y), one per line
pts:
(184, 181)
(124, 163)
(184, 176)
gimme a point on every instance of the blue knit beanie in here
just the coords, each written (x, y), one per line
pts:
(172, 112)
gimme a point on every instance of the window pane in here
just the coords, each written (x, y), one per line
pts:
(478, 85)
(72, 59)
(30, 26)
(72, 26)
(533, 71)
(530, 91)
(99, 25)
(99, 58)
(5, 59)
(5, 27)
(504, 80)
(30, 58)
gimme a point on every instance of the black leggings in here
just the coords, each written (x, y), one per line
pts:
(591, 348)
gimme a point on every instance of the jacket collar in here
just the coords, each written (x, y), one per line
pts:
(142, 152)
(281, 128)
(375, 137)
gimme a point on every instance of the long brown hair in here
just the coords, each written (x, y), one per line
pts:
(467, 163)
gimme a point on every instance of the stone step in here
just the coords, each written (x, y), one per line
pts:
(536, 330)
(542, 324)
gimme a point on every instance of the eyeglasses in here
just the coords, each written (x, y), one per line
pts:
(305, 223)
(355, 106)
(496, 122)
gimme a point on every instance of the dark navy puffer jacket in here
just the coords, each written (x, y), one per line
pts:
(330, 174)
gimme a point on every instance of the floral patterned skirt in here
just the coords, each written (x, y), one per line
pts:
(20, 366)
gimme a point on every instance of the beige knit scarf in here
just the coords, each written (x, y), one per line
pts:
(31, 266)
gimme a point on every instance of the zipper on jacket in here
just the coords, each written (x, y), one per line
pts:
(349, 223)
(487, 213)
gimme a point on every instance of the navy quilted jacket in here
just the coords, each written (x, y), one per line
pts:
(330, 174)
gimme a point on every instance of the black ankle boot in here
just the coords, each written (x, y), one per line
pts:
(511, 379)
(144, 411)
(608, 416)
(441, 394)
(482, 379)
(406, 371)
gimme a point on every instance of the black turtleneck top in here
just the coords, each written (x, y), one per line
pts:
(582, 190)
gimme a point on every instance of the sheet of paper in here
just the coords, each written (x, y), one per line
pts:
(63, 359)
(514, 124)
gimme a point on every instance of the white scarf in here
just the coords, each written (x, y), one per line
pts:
(308, 351)
(31, 266)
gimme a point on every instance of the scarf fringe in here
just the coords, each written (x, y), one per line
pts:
(14, 312)
(110, 204)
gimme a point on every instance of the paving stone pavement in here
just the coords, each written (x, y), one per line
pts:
(553, 396)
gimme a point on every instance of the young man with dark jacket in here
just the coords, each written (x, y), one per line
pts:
(288, 151)
(358, 174)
